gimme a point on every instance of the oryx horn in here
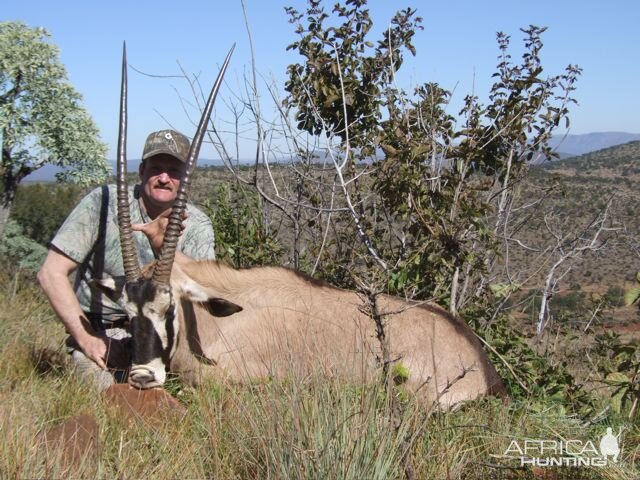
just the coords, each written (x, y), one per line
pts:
(162, 270)
(129, 253)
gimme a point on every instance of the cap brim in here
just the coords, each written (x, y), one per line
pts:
(163, 151)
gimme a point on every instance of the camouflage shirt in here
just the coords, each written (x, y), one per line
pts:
(90, 236)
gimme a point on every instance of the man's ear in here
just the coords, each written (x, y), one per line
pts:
(141, 169)
(110, 286)
(219, 307)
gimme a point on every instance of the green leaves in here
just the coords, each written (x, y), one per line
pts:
(528, 374)
(338, 88)
(23, 251)
(620, 369)
(632, 295)
(431, 192)
(41, 116)
(238, 222)
(41, 208)
(504, 290)
(399, 373)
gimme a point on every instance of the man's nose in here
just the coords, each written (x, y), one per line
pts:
(164, 177)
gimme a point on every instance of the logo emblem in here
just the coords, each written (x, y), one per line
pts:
(609, 445)
(566, 453)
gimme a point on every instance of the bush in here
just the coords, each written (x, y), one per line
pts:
(614, 296)
(572, 301)
(242, 237)
(41, 208)
(21, 250)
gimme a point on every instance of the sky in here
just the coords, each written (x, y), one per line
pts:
(456, 49)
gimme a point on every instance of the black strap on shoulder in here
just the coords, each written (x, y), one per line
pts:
(98, 260)
(98, 253)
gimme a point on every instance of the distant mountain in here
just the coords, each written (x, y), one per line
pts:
(48, 172)
(590, 142)
(43, 174)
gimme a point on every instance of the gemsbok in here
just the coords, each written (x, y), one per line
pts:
(203, 318)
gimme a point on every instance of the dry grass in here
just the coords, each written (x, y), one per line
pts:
(307, 428)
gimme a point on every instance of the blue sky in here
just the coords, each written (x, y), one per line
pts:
(456, 49)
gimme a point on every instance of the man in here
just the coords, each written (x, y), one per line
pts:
(88, 244)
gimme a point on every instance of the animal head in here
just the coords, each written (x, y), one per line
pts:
(148, 298)
(151, 309)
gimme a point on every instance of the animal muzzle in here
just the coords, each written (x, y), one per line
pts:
(148, 376)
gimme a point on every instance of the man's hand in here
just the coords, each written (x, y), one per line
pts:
(54, 279)
(155, 229)
(95, 348)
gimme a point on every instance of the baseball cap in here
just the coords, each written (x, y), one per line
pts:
(167, 141)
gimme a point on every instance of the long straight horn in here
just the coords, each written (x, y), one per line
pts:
(129, 254)
(162, 270)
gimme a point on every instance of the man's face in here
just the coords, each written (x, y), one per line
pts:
(160, 176)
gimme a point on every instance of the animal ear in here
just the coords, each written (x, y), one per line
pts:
(216, 306)
(219, 307)
(110, 286)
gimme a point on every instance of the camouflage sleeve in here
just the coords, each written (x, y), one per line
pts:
(79, 232)
(199, 240)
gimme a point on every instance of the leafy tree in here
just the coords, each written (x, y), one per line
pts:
(42, 120)
(341, 85)
(428, 195)
(421, 200)
(339, 92)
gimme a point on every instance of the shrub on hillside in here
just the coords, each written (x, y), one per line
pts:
(242, 236)
(41, 208)
(20, 250)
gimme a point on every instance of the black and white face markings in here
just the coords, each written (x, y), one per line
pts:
(152, 313)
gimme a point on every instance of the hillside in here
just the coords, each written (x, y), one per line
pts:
(620, 161)
(575, 192)
(590, 142)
